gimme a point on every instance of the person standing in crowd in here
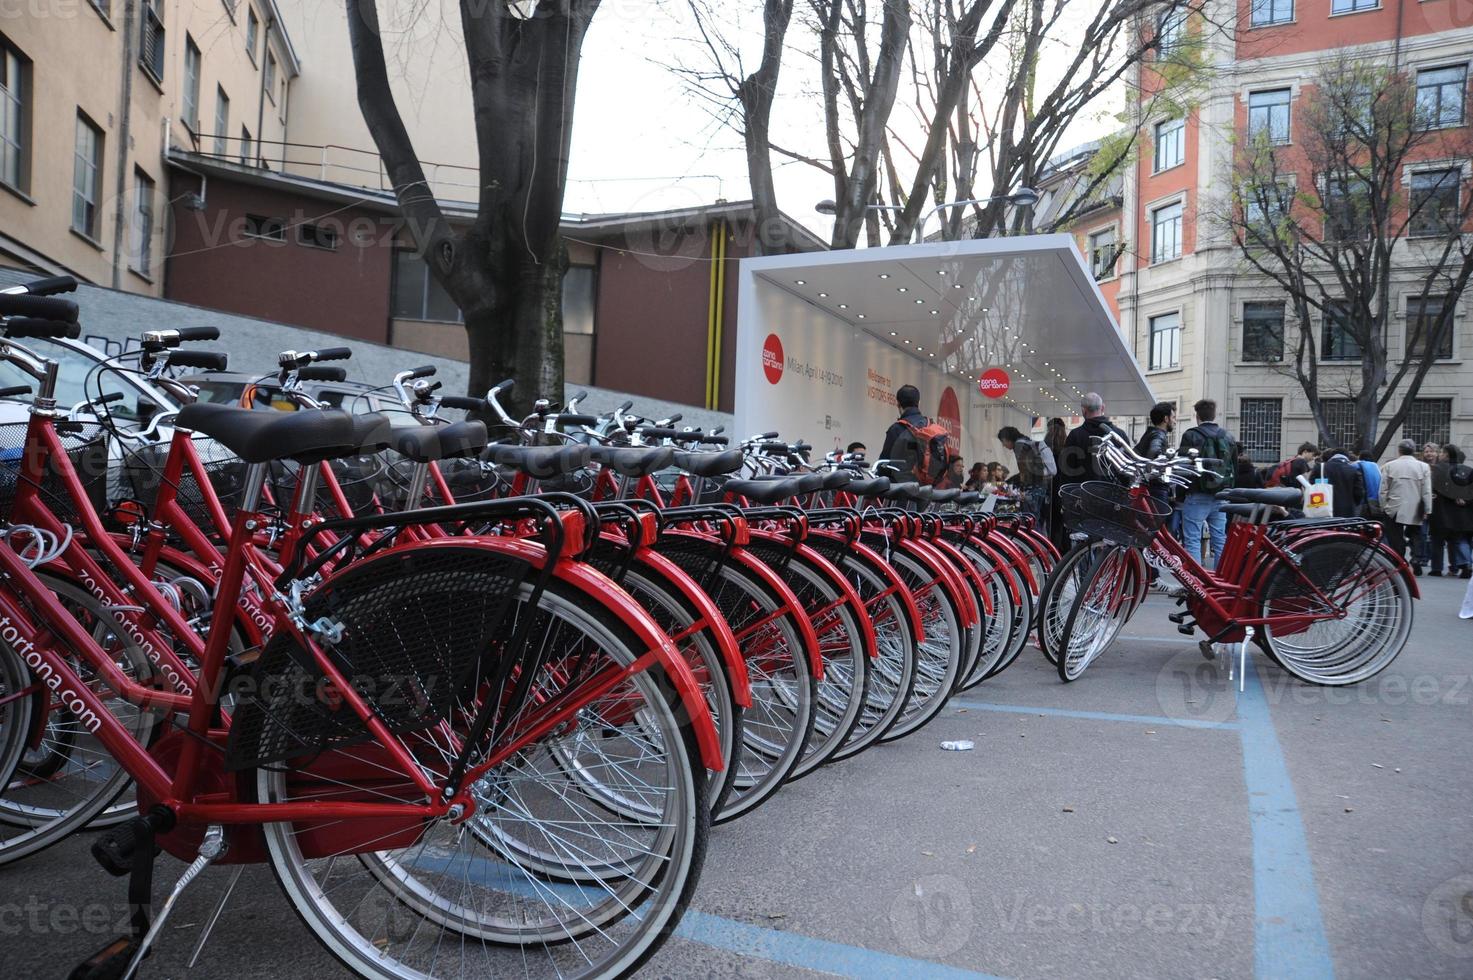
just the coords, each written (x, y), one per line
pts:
(1078, 462)
(976, 477)
(1248, 476)
(855, 448)
(908, 399)
(1406, 498)
(954, 476)
(1371, 473)
(1201, 506)
(1035, 467)
(1287, 473)
(1156, 440)
(1337, 469)
(1452, 513)
(1054, 438)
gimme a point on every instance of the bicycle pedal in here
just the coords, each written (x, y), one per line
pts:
(108, 963)
(1178, 617)
(1187, 629)
(116, 848)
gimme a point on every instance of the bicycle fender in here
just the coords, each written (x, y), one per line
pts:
(946, 575)
(726, 643)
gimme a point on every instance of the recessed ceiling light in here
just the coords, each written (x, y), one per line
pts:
(800, 282)
(907, 341)
(919, 347)
(884, 275)
(935, 312)
(901, 289)
(823, 295)
(892, 333)
(860, 315)
(956, 285)
(843, 306)
(920, 302)
(940, 272)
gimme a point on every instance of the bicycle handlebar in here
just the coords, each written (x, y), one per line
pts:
(205, 360)
(23, 306)
(14, 391)
(315, 372)
(43, 287)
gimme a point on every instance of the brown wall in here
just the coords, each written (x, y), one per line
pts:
(211, 262)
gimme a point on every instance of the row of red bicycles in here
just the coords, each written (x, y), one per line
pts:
(476, 694)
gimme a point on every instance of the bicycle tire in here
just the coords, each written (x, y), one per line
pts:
(1058, 594)
(1097, 614)
(939, 657)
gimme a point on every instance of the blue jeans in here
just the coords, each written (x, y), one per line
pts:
(1198, 509)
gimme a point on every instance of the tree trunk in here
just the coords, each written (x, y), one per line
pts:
(520, 333)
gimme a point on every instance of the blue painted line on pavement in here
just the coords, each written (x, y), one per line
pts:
(1288, 932)
(805, 952)
(1019, 709)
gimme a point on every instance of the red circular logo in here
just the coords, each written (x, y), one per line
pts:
(949, 413)
(772, 358)
(994, 383)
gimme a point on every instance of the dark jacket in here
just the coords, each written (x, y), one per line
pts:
(1450, 482)
(896, 430)
(1202, 437)
(1349, 483)
(1153, 443)
(1077, 462)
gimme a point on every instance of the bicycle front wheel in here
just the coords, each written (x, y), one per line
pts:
(1102, 606)
(567, 870)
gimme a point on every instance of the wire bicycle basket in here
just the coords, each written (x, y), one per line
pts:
(1111, 512)
(86, 446)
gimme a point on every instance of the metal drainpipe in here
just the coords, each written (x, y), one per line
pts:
(261, 96)
(125, 115)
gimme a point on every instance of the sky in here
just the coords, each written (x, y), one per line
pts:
(643, 141)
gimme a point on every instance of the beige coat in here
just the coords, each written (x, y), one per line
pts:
(1406, 485)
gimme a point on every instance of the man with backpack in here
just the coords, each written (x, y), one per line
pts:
(924, 444)
(1287, 473)
(1201, 506)
(1036, 467)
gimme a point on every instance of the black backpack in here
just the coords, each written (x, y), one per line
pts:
(1216, 476)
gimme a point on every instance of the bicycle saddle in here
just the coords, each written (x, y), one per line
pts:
(539, 462)
(945, 496)
(427, 443)
(968, 497)
(709, 464)
(764, 491)
(260, 437)
(837, 479)
(372, 432)
(632, 461)
(868, 488)
(902, 491)
(1273, 496)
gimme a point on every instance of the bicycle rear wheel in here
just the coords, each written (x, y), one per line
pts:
(892, 674)
(939, 656)
(1059, 591)
(1101, 607)
(569, 870)
(15, 712)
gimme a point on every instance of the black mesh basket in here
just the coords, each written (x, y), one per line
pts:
(1112, 513)
(86, 447)
(144, 469)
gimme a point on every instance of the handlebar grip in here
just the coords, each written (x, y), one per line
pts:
(109, 398)
(423, 371)
(801, 447)
(199, 333)
(626, 406)
(768, 435)
(332, 354)
(27, 326)
(576, 418)
(315, 372)
(503, 386)
(659, 432)
(713, 440)
(15, 390)
(773, 447)
(675, 418)
(205, 360)
(51, 285)
(463, 402)
(39, 307)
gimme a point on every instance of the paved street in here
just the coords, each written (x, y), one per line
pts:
(1145, 821)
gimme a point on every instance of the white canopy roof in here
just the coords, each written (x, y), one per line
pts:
(1025, 304)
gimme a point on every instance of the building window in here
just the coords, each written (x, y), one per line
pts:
(253, 27)
(140, 232)
(415, 294)
(1429, 420)
(1265, 206)
(318, 236)
(151, 39)
(260, 226)
(15, 118)
(1337, 338)
(86, 178)
(1347, 203)
(1441, 96)
(1266, 12)
(1260, 428)
(1170, 137)
(1339, 416)
(1166, 232)
(1422, 324)
(1351, 6)
(222, 122)
(271, 77)
(1268, 114)
(1263, 331)
(191, 84)
(579, 292)
(1103, 251)
(1165, 341)
(247, 157)
(1171, 31)
(1435, 205)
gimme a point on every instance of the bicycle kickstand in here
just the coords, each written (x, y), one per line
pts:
(211, 848)
(1242, 658)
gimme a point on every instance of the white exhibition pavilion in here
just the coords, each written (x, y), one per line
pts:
(825, 338)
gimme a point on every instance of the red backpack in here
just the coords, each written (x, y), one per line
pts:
(1280, 474)
(931, 449)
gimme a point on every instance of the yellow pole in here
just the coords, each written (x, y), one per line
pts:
(711, 307)
(719, 315)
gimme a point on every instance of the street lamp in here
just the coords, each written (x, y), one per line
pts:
(1023, 197)
(830, 208)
